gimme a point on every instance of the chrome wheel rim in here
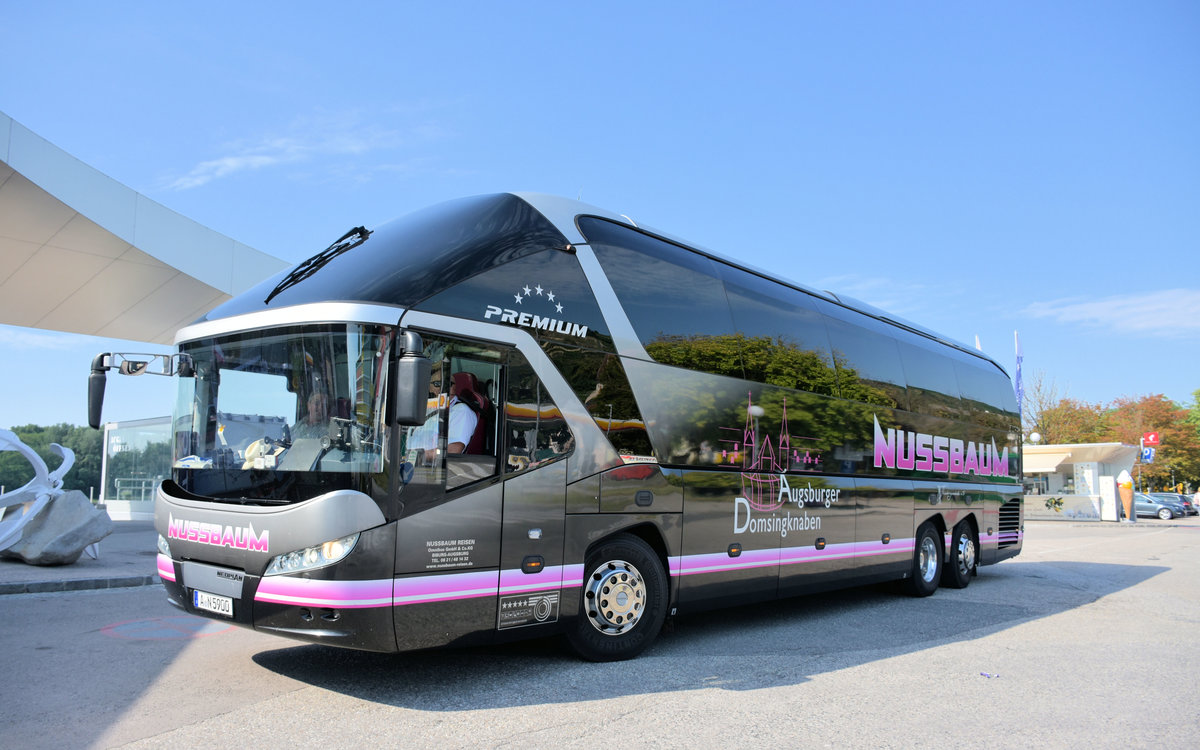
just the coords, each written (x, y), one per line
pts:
(929, 559)
(966, 554)
(615, 597)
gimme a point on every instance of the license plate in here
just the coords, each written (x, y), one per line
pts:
(222, 605)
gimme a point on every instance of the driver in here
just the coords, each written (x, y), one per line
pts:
(461, 426)
(315, 422)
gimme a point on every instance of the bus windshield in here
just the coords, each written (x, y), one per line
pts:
(282, 415)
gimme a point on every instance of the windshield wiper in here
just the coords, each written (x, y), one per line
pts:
(314, 264)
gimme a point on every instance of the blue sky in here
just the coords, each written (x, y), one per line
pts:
(978, 168)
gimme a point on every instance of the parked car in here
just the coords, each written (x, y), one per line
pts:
(1188, 506)
(1146, 505)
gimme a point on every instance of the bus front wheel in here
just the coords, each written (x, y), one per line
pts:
(624, 601)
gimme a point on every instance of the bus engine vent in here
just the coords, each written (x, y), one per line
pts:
(1010, 523)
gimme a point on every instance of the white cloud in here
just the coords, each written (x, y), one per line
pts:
(1170, 313)
(339, 134)
(207, 171)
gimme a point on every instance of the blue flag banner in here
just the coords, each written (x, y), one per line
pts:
(1020, 389)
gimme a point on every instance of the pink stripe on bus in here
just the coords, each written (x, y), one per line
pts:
(166, 568)
(312, 593)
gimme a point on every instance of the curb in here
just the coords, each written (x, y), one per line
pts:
(85, 584)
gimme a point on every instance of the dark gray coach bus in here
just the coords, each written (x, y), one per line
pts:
(515, 415)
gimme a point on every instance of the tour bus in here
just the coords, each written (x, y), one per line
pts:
(515, 415)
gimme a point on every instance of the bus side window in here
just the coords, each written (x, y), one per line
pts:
(867, 358)
(932, 385)
(456, 445)
(674, 297)
(781, 335)
(534, 429)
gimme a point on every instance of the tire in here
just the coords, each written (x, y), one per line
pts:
(963, 558)
(927, 562)
(623, 602)
(1165, 514)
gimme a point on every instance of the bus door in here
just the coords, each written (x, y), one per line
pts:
(730, 548)
(535, 443)
(818, 517)
(449, 533)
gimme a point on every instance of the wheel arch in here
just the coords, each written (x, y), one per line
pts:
(938, 521)
(651, 535)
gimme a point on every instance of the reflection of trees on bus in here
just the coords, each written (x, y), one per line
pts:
(599, 381)
(770, 360)
(694, 400)
(702, 417)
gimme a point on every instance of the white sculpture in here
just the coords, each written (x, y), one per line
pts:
(29, 528)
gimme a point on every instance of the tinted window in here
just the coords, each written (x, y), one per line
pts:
(932, 383)
(987, 393)
(534, 429)
(781, 336)
(600, 383)
(672, 296)
(545, 294)
(696, 418)
(867, 357)
(413, 257)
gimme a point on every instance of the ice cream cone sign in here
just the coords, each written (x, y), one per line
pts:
(1125, 488)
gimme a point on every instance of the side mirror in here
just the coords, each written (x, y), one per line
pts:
(410, 391)
(96, 389)
(154, 364)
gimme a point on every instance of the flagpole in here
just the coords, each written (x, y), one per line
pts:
(1020, 388)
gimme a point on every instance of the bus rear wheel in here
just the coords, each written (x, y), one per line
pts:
(963, 558)
(926, 563)
(624, 601)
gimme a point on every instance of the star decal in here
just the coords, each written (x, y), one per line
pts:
(525, 294)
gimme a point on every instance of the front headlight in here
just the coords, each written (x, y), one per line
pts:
(311, 558)
(163, 549)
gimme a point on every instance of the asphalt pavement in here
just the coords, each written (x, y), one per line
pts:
(126, 558)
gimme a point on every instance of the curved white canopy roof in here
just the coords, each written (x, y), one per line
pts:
(80, 252)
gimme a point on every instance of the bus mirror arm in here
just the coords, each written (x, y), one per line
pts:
(411, 390)
(167, 364)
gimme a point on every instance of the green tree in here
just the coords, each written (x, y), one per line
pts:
(1071, 421)
(86, 443)
(1178, 456)
(1193, 415)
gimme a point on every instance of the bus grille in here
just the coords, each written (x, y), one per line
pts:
(1010, 523)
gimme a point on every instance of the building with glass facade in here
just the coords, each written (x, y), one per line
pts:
(137, 456)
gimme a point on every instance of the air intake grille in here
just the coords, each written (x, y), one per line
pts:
(1010, 523)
